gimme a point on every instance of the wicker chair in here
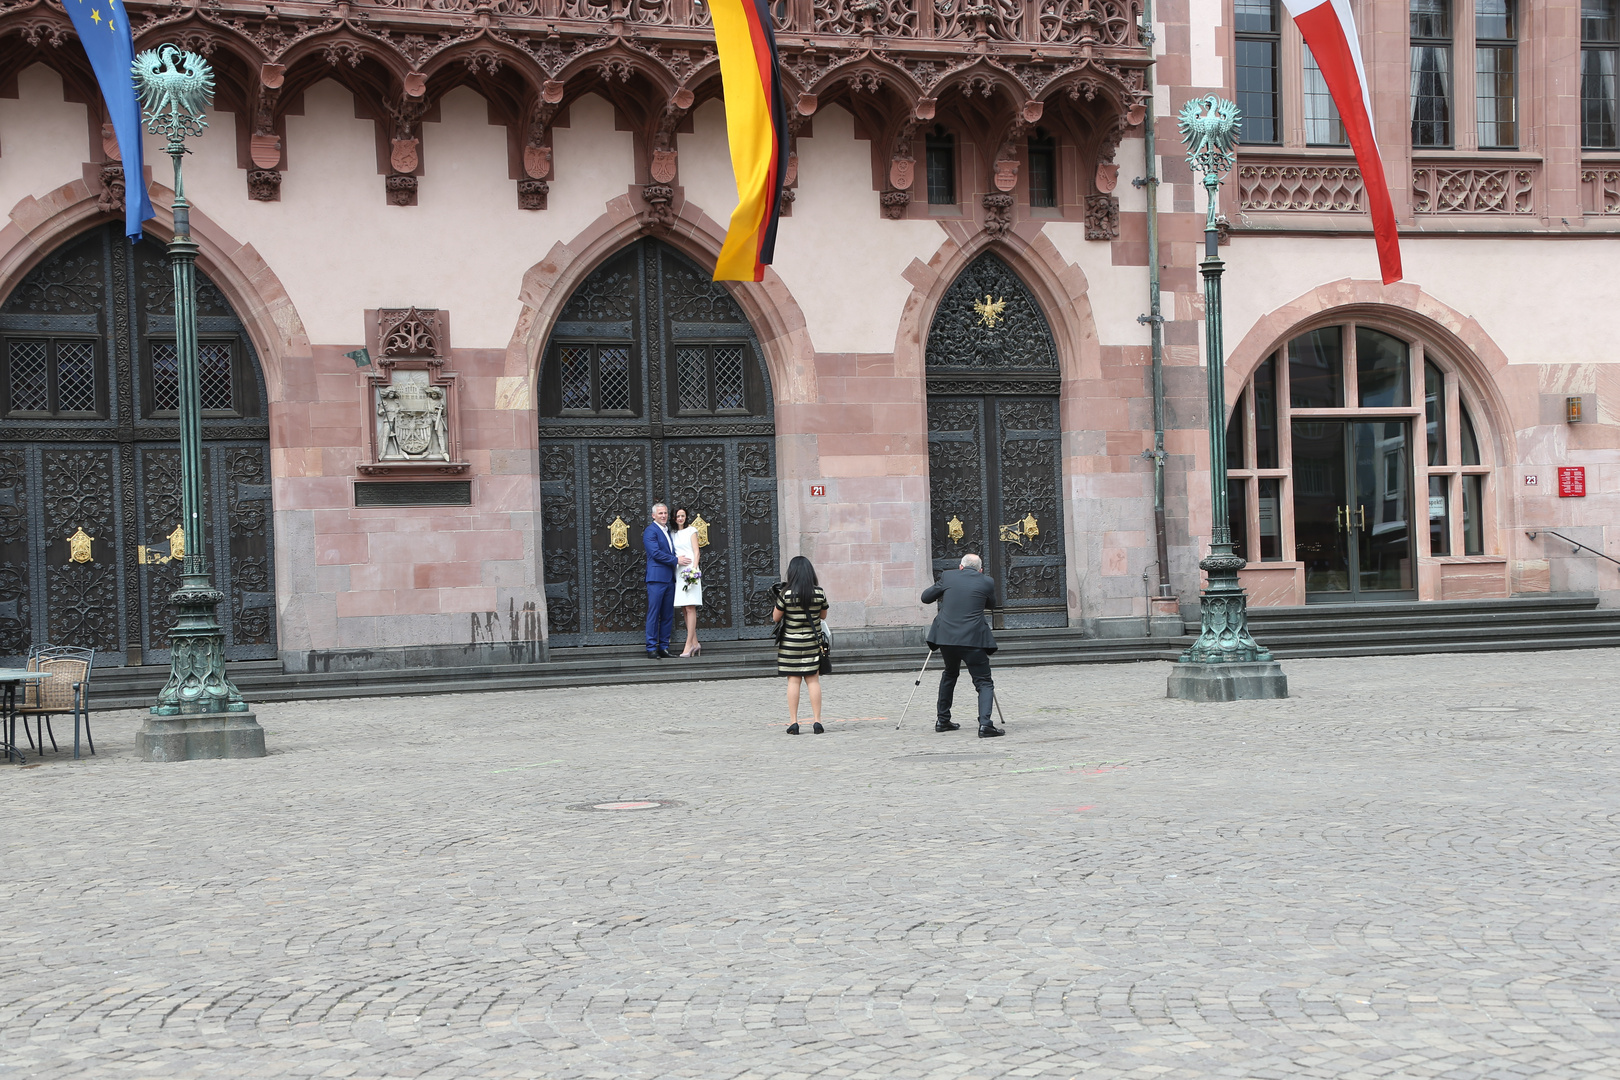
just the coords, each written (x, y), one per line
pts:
(66, 691)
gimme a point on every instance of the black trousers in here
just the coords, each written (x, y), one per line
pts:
(978, 665)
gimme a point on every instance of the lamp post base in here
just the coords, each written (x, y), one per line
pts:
(1255, 681)
(197, 736)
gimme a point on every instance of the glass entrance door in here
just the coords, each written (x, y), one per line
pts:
(1352, 509)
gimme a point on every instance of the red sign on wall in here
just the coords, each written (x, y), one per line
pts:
(818, 490)
(1572, 481)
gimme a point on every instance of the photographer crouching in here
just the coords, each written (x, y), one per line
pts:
(962, 637)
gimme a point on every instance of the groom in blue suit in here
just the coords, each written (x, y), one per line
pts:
(661, 564)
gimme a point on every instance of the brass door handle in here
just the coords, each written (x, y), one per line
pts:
(1363, 515)
(1339, 515)
(618, 533)
(153, 556)
(79, 550)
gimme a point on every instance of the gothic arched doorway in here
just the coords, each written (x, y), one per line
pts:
(653, 388)
(995, 463)
(90, 443)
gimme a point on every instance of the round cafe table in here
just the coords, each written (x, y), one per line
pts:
(9, 679)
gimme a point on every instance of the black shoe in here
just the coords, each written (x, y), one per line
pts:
(663, 654)
(652, 655)
(990, 731)
(945, 725)
(793, 729)
(817, 728)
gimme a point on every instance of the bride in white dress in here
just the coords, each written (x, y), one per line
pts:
(687, 596)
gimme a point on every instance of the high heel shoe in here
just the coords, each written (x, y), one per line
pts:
(817, 729)
(793, 729)
(697, 650)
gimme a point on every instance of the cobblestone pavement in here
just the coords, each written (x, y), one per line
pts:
(1408, 869)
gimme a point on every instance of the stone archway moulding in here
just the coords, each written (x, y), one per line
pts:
(769, 305)
(37, 226)
(1402, 306)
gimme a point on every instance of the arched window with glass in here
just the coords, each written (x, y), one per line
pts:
(1340, 442)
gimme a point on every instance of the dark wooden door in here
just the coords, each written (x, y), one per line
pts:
(88, 449)
(995, 442)
(653, 389)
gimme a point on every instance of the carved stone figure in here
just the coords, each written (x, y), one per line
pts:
(411, 420)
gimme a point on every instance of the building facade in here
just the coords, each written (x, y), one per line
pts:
(514, 208)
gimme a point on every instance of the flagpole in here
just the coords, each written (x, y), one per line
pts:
(199, 712)
(1225, 663)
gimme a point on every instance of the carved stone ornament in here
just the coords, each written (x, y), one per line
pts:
(901, 173)
(662, 166)
(412, 397)
(537, 162)
(1107, 177)
(264, 185)
(660, 200)
(265, 150)
(1006, 174)
(111, 199)
(403, 156)
(532, 194)
(402, 191)
(895, 203)
(1102, 217)
(998, 214)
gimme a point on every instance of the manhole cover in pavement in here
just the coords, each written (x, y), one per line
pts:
(627, 804)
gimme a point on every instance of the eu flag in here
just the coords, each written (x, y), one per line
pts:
(103, 27)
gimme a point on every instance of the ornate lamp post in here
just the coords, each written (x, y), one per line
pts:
(199, 713)
(1225, 663)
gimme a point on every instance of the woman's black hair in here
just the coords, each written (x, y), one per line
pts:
(801, 580)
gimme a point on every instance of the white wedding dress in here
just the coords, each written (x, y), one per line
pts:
(687, 595)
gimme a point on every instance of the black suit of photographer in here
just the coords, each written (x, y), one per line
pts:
(962, 637)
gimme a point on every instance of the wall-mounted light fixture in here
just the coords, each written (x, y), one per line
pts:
(1572, 410)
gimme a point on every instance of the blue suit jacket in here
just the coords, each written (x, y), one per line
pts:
(661, 561)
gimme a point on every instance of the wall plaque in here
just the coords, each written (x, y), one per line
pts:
(1572, 481)
(411, 397)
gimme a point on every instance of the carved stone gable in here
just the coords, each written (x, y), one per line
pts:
(989, 321)
(410, 333)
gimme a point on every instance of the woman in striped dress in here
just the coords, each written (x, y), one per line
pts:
(800, 607)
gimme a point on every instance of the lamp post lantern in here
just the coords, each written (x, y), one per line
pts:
(199, 712)
(1225, 663)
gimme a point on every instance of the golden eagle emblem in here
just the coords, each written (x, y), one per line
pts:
(989, 311)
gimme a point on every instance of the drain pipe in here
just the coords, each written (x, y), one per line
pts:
(1155, 317)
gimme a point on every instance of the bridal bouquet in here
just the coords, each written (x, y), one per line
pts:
(691, 575)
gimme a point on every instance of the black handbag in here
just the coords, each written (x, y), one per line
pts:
(826, 650)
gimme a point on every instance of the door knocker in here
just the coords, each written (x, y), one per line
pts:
(953, 529)
(618, 534)
(702, 528)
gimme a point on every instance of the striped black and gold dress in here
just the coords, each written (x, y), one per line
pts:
(800, 651)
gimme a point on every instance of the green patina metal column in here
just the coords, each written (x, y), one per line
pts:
(1225, 663)
(199, 712)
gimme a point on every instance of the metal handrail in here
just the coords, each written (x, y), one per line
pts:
(1579, 547)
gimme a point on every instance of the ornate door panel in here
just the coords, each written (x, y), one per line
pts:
(995, 442)
(653, 389)
(89, 463)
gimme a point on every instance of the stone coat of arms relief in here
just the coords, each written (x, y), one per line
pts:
(412, 396)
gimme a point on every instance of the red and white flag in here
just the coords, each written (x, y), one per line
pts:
(1330, 31)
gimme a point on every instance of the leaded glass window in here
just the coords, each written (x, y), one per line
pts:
(939, 151)
(1259, 43)
(1322, 124)
(1042, 169)
(51, 377)
(1600, 90)
(1431, 72)
(1496, 74)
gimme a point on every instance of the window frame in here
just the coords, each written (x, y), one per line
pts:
(1042, 144)
(1511, 44)
(942, 140)
(1455, 92)
(1457, 396)
(753, 403)
(551, 382)
(239, 374)
(1274, 38)
(1611, 47)
(52, 376)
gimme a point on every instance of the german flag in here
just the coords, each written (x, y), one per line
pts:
(756, 126)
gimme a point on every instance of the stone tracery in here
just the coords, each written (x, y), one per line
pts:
(653, 59)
